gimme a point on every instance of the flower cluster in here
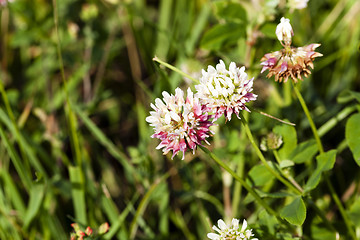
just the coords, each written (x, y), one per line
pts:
(183, 124)
(179, 124)
(225, 91)
(290, 61)
(78, 234)
(232, 231)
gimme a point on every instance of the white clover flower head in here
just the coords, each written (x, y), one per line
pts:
(297, 4)
(284, 31)
(225, 91)
(233, 231)
(179, 124)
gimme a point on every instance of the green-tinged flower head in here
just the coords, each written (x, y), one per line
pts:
(272, 141)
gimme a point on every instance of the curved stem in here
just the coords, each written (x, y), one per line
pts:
(288, 177)
(307, 113)
(242, 182)
(175, 69)
(321, 150)
(68, 110)
(263, 160)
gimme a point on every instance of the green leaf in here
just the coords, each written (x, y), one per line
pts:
(78, 194)
(295, 212)
(354, 212)
(289, 137)
(230, 11)
(286, 163)
(352, 135)
(107, 143)
(305, 151)
(325, 162)
(36, 197)
(222, 35)
(321, 233)
(268, 29)
(259, 176)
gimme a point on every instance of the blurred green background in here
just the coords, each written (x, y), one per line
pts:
(82, 152)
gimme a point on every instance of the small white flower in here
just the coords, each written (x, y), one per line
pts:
(297, 4)
(225, 91)
(233, 231)
(284, 31)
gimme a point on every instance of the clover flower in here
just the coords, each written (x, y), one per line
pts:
(225, 91)
(179, 124)
(289, 61)
(232, 231)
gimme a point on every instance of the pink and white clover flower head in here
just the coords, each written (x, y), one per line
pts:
(179, 124)
(290, 62)
(232, 231)
(225, 91)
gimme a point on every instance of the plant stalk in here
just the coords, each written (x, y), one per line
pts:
(243, 182)
(321, 150)
(263, 160)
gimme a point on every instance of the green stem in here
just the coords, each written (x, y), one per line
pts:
(288, 177)
(335, 120)
(340, 206)
(144, 203)
(243, 182)
(320, 213)
(175, 69)
(17, 132)
(263, 160)
(71, 116)
(321, 150)
(307, 113)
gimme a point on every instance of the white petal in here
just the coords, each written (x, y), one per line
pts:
(235, 223)
(216, 229)
(244, 226)
(284, 30)
(167, 118)
(174, 116)
(213, 236)
(150, 119)
(222, 225)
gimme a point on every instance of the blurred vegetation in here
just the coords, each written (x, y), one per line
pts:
(78, 149)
